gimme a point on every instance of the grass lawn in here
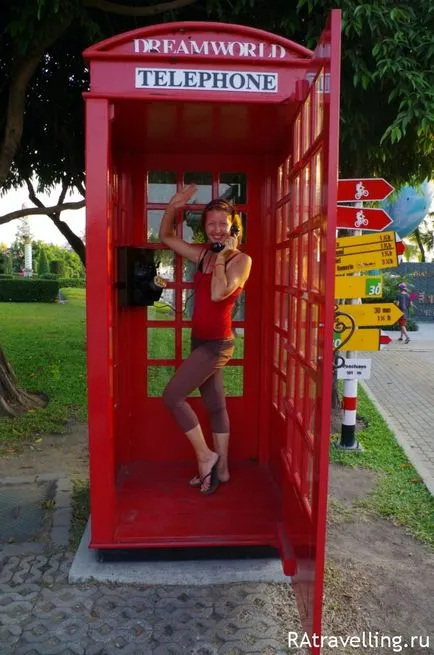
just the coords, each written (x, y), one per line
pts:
(44, 343)
(401, 494)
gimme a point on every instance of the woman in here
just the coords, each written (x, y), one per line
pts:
(218, 281)
(403, 301)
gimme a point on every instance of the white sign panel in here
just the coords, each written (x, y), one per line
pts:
(355, 369)
(207, 48)
(209, 80)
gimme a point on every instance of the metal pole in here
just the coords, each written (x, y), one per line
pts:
(349, 400)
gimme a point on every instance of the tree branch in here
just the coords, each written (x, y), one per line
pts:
(32, 211)
(154, 10)
(54, 213)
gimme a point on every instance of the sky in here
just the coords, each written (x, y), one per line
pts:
(42, 228)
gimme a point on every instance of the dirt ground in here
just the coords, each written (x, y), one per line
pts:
(379, 581)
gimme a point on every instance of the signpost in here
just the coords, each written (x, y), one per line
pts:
(356, 218)
(371, 314)
(354, 369)
(358, 286)
(366, 339)
(369, 188)
(355, 255)
(366, 252)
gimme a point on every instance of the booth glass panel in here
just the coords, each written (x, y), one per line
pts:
(291, 380)
(286, 181)
(276, 349)
(239, 308)
(299, 392)
(311, 406)
(315, 260)
(285, 311)
(161, 186)
(306, 118)
(316, 184)
(304, 262)
(286, 210)
(279, 225)
(191, 228)
(275, 389)
(233, 380)
(279, 190)
(297, 139)
(302, 327)
(237, 182)
(296, 204)
(163, 310)
(318, 100)
(293, 318)
(203, 181)
(278, 266)
(153, 222)
(285, 266)
(186, 342)
(161, 343)
(158, 377)
(188, 270)
(187, 303)
(314, 334)
(239, 343)
(282, 397)
(277, 308)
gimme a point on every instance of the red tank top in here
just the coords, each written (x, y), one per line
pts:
(211, 320)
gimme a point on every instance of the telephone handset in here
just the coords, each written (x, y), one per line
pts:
(218, 247)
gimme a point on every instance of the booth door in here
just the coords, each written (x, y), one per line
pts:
(302, 324)
(167, 325)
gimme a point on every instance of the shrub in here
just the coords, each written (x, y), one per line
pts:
(43, 263)
(29, 290)
(57, 267)
(68, 282)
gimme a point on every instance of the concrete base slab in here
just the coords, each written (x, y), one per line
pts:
(87, 567)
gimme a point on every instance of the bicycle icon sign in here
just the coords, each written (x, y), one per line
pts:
(361, 219)
(361, 191)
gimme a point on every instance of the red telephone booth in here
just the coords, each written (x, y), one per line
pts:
(249, 113)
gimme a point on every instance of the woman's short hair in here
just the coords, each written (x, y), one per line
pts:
(223, 205)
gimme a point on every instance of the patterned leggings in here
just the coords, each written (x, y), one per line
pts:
(201, 370)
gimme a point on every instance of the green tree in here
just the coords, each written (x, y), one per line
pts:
(387, 82)
(387, 87)
(43, 264)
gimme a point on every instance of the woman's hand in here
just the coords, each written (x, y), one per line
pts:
(181, 198)
(230, 244)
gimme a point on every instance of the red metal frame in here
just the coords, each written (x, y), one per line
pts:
(280, 427)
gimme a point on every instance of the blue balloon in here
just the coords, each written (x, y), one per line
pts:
(409, 207)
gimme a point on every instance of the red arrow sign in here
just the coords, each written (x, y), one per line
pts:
(356, 218)
(370, 188)
(384, 339)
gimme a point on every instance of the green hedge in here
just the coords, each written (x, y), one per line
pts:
(68, 282)
(29, 290)
(6, 276)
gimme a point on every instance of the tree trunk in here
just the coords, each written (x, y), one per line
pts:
(15, 401)
(74, 241)
(420, 244)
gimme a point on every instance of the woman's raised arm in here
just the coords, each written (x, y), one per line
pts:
(167, 232)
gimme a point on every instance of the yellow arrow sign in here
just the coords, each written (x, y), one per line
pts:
(365, 339)
(353, 243)
(368, 314)
(366, 252)
(359, 262)
(359, 286)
